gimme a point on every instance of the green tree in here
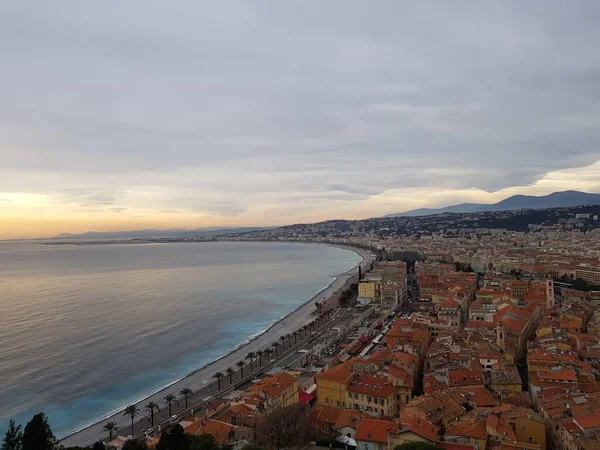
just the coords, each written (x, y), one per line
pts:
(229, 371)
(134, 444)
(175, 439)
(152, 408)
(13, 440)
(185, 393)
(218, 377)
(98, 445)
(169, 398)
(131, 411)
(417, 446)
(252, 447)
(260, 355)
(250, 356)
(38, 435)
(241, 365)
(282, 339)
(203, 442)
(110, 427)
(287, 427)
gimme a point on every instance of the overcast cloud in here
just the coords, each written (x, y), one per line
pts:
(268, 112)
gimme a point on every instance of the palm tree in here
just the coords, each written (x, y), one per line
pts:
(185, 393)
(131, 411)
(295, 333)
(169, 398)
(241, 365)
(282, 339)
(110, 427)
(152, 407)
(251, 356)
(229, 371)
(289, 339)
(260, 355)
(275, 345)
(218, 376)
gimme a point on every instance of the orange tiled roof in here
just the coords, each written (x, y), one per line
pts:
(373, 430)
(340, 374)
(478, 395)
(565, 374)
(449, 304)
(274, 385)
(423, 428)
(591, 421)
(348, 418)
(370, 385)
(469, 428)
(220, 430)
(325, 414)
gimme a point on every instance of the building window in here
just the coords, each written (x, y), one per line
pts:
(523, 427)
(530, 440)
(338, 403)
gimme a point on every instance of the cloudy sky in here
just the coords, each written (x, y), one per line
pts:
(121, 115)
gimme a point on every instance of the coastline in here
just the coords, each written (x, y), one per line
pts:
(202, 376)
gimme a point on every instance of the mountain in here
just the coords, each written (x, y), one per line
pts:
(174, 232)
(554, 200)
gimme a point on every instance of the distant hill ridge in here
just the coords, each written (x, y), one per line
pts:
(174, 232)
(554, 200)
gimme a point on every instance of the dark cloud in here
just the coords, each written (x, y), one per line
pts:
(219, 106)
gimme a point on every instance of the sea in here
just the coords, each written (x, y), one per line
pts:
(87, 329)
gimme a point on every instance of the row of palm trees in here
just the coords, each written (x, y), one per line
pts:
(271, 351)
(132, 411)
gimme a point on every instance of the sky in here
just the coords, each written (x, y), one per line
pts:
(184, 114)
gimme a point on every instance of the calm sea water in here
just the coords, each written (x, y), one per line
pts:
(87, 329)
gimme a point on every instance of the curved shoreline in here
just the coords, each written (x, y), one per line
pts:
(292, 321)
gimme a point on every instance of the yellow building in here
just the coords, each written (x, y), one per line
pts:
(343, 388)
(531, 430)
(528, 426)
(486, 294)
(331, 386)
(367, 289)
(279, 390)
(370, 393)
(518, 288)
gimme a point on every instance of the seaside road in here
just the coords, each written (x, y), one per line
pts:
(201, 381)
